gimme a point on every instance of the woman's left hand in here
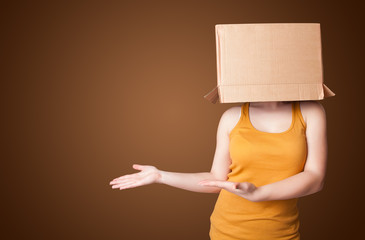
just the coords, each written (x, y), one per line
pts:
(243, 189)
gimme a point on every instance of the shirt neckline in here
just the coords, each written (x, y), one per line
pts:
(268, 133)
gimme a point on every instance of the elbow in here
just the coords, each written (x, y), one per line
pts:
(318, 182)
(219, 176)
(320, 186)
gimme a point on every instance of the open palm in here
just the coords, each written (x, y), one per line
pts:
(147, 175)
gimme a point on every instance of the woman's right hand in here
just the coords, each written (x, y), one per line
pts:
(147, 175)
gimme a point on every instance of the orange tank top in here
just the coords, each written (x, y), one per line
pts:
(261, 158)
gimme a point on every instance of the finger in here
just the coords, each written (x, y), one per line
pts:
(124, 181)
(227, 185)
(130, 186)
(221, 184)
(138, 167)
(210, 183)
(125, 177)
(121, 180)
(247, 186)
(124, 184)
(205, 181)
(244, 186)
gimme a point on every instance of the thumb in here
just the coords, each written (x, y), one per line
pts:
(241, 186)
(137, 166)
(236, 185)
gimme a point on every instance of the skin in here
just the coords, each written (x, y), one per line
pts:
(266, 117)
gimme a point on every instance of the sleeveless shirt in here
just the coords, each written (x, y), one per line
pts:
(261, 158)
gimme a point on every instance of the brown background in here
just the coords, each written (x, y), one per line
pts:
(89, 89)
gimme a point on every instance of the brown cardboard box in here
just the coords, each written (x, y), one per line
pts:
(268, 62)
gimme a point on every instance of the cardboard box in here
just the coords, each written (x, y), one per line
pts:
(268, 62)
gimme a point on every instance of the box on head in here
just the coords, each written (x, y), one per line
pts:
(268, 62)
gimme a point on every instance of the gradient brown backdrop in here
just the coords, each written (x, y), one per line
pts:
(91, 88)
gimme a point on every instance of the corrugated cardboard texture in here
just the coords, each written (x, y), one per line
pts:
(268, 62)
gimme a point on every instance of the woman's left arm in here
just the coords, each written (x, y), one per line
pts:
(307, 182)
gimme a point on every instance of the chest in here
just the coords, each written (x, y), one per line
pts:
(274, 151)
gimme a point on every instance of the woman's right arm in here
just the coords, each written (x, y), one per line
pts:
(187, 181)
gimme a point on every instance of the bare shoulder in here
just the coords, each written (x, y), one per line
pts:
(312, 111)
(230, 117)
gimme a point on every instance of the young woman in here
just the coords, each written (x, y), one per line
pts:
(268, 154)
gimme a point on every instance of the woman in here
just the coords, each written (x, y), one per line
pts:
(267, 155)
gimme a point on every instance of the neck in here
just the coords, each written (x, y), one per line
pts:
(269, 105)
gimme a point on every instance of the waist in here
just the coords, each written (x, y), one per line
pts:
(238, 217)
(232, 204)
